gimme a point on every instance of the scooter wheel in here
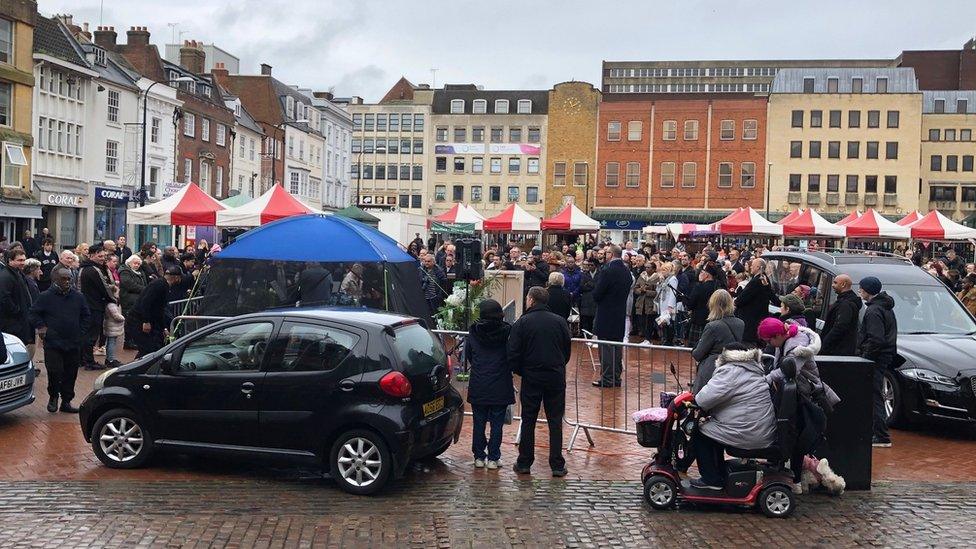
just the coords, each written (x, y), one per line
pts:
(660, 492)
(777, 502)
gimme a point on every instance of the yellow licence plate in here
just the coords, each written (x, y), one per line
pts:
(433, 406)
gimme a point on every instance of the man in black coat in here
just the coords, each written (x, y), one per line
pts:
(61, 317)
(698, 301)
(538, 348)
(839, 334)
(124, 252)
(877, 341)
(753, 301)
(153, 310)
(31, 244)
(613, 287)
(94, 282)
(48, 258)
(15, 298)
(315, 285)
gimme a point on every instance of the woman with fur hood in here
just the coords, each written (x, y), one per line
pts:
(490, 389)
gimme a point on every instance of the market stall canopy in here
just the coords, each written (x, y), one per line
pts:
(746, 221)
(809, 223)
(275, 204)
(790, 216)
(679, 229)
(909, 219)
(571, 220)
(188, 206)
(935, 226)
(238, 199)
(360, 215)
(460, 213)
(513, 220)
(850, 217)
(655, 229)
(873, 225)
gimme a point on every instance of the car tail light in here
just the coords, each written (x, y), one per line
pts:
(396, 385)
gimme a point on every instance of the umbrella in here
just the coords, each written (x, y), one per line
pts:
(909, 219)
(189, 206)
(746, 221)
(935, 226)
(873, 225)
(459, 213)
(850, 217)
(571, 219)
(810, 223)
(790, 216)
(513, 220)
(273, 205)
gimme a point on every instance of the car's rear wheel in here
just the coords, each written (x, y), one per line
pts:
(360, 462)
(121, 440)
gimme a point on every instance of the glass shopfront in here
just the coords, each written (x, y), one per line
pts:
(110, 213)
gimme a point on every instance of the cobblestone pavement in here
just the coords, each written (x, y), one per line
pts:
(460, 513)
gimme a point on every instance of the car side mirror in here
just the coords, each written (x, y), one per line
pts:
(166, 364)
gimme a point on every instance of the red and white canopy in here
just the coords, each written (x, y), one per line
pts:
(571, 220)
(460, 213)
(273, 205)
(810, 223)
(909, 219)
(746, 221)
(873, 225)
(935, 226)
(188, 206)
(790, 217)
(850, 217)
(513, 220)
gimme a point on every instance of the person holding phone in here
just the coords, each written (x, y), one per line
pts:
(753, 301)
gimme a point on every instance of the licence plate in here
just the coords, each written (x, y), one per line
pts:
(20, 381)
(433, 406)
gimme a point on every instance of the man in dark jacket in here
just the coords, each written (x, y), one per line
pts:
(153, 310)
(839, 334)
(434, 283)
(94, 282)
(877, 340)
(315, 285)
(15, 298)
(61, 316)
(587, 306)
(48, 258)
(753, 301)
(31, 244)
(124, 252)
(698, 301)
(613, 287)
(538, 350)
(490, 389)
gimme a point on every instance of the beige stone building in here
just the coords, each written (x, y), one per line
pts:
(841, 139)
(948, 148)
(571, 145)
(17, 207)
(489, 148)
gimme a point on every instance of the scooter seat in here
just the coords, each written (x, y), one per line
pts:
(773, 453)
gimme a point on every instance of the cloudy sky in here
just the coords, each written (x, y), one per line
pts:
(361, 47)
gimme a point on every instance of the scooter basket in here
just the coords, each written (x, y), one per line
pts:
(650, 433)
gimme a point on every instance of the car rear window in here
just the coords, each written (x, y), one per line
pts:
(418, 350)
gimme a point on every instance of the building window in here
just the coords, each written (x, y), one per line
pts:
(514, 165)
(833, 149)
(939, 106)
(613, 131)
(794, 182)
(872, 150)
(871, 184)
(478, 134)
(205, 177)
(458, 164)
(205, 129)
(501, 107)
(479, 106)
(750, 130)
(952, 163)
(935, 163)
(747, 175)
(533, 166)
(476, 193)
(831, 85)
(380, 172)
(635, 129)
(404, 172)
(816, 119)
(797, 119)
(457, 193)
(6, 43)
(367, 171)
(581, 174)
(494, 193)
(367, 146)
(943, 194)
(418, 123)
(187, 170)
(515, 135)
(874, 119)
(891, 150)
(833, 183)
(440, 164)
(497, 133)
(477, 165)
(950, 135)
(392, 172)
(495, 165)
(813, 183)
(113, 105)
(962, 105)
(796, 149)
(725, 174)
(967, 163)
(406, 122)
(934, 135)
(460, 134)
(834, 119)
(808, 85)
(381, 121)
(893, 119)
(891, 184)
(418, 172)
(882, 85)
(221, 135)
(727, 131)
(440, 193)
(633, 174)
(851, 185)
(525, 106)
(189, 124)
(559, 174)
(689, 174)
(857, 85)
(357, 145)
(112, 157)
(853, 149)
(357, 121)
(612, 174)
(814, 149)
(691, 130)
(853, 119)
(532, 195)
(457, 106)
(13, 161)
(513, 194)
(670, 130)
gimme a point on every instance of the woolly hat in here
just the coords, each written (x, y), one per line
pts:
(772, 327)
(490, 309)
(793, 303)
(871, 285)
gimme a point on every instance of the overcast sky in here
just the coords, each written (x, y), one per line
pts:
(361, 47)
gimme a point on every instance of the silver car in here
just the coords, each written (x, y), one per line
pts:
(16, 376)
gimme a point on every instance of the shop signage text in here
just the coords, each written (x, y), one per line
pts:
(71, 200)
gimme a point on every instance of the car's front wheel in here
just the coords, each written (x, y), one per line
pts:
(121, 440)
(360, 462)
(894, 402)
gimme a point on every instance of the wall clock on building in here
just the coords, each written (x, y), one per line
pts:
(572, 106)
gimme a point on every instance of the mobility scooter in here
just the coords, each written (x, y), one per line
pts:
(757, 478)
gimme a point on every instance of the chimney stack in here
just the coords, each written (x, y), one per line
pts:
(192, 57)
(265, 69)
(137, 36)
(219, 72)
(105, 38)
(85, 32)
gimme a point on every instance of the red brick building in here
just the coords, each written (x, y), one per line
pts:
(664, 158)
(942, 69)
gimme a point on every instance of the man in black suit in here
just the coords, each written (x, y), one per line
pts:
(752, 302)
(613, 287)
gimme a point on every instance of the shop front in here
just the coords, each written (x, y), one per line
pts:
(110, 213)
(63, 211)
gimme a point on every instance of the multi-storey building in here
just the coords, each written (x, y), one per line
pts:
(489, 148)
(942, 69)
(571, 145)
(390, 141)
(335, 125)
(948, 148)
(245, 178)
(214, 56)
(18, 208)
(666, 158)
(739, 76)
(841, 139)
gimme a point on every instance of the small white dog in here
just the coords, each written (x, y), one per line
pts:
(818, 473)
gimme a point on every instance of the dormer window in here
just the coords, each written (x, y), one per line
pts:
(479, 106)
(290, 107)
(525, 106)
(501, 106)
(457, 106)
(205, 90)
(99, 54)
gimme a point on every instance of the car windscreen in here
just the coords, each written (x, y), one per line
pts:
(929, 310)
(418, 350)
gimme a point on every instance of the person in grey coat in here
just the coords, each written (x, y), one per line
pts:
(723, 328)
(803, 344)
(740, 413)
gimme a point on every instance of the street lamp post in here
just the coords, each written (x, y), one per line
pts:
(145, 115)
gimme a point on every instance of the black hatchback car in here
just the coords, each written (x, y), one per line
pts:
(361, 392)
(936, 334)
